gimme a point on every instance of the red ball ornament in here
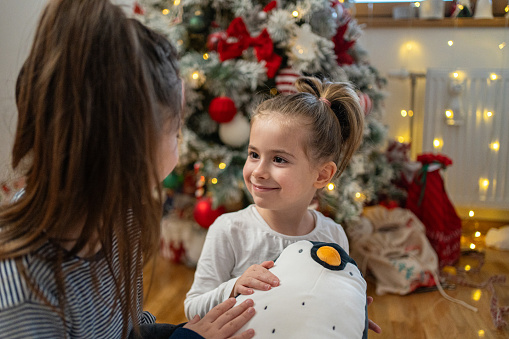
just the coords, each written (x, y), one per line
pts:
(222, 109)
(366, 103)
(204, 214)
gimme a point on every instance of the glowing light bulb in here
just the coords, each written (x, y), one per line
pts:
(417, 4)
(471, 213)
(472, 246)
(437, 143)
(489, 114)
(401, 139)
(195, 75)
(409, 46)
(495, 146)
(477, 234)
(410, 113)
(502, 45)
(331, 186)
(506, 9)
(295, 14)
(176, 2)
(476, 295)
(213, 181)
(450, 42)
(222, 165)
(455, 74)
(165, 11)
(467, 267)
(449, 114)
(403, 113)
(484, 183)
(205, 56)
(358, 195)
(460, 7)
(493, 76)
(480, 333)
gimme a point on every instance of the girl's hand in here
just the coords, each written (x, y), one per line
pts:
(258, 277)
(372, 325)
(224, 320)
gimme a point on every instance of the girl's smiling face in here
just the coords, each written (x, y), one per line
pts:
(277, 172)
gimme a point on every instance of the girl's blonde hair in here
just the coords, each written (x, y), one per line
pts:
(330, 111)
(92, 97)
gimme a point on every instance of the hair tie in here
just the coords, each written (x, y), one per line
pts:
(322, 99)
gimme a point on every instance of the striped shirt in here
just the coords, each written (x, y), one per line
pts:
(89, 313)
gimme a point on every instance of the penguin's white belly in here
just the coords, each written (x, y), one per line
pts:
(311, 302)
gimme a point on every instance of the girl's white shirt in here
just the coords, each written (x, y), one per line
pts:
(237, 240)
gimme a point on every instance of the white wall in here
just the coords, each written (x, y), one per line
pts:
(18, 19)
(416, 50)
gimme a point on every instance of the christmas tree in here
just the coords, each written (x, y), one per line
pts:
(236, 53)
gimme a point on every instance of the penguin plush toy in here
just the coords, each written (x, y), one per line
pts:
(322, 294)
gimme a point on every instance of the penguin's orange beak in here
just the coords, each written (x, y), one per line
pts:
(329, 255)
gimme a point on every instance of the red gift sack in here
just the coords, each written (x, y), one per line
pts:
(428, 200)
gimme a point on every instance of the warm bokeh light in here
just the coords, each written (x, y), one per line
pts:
(449, 114)
(489, 114)
(205, 56)
(176, 2)
(195, 75)
(401, 139)
(450, 42)
(493, 76)
(476, 295)
(273, 91)
(480, 333)
(417, 4)
(437, 143)
(472, 247)
(484, 182)
(295, 14)
(455, 74)
(331, 186)
(502, 45)
(222, 165)
(471, 213)
(165, 11)
(495, 146)
(410, 113)
(403, 113)
(477, 234)
(467, 267)
(214, 181)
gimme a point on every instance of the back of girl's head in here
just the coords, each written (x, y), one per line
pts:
(329, 112)
(93, 96)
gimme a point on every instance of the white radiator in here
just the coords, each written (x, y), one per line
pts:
(475, 134)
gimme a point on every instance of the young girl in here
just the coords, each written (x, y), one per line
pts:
(100, 102)
(298, 143)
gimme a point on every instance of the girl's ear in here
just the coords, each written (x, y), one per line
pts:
(325, 173)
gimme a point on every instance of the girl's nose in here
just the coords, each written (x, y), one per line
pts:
(260, 171)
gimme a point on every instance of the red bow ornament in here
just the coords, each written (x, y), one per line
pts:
(341, 46)
(238, 40)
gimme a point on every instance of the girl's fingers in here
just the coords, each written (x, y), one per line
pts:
(237, 322)
(244, 335)
(233, 316)
(219, 310)
(267, 264)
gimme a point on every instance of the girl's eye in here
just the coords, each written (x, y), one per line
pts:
(279, 160)
(253, 155)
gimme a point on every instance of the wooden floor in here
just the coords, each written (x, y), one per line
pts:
(425, 315)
